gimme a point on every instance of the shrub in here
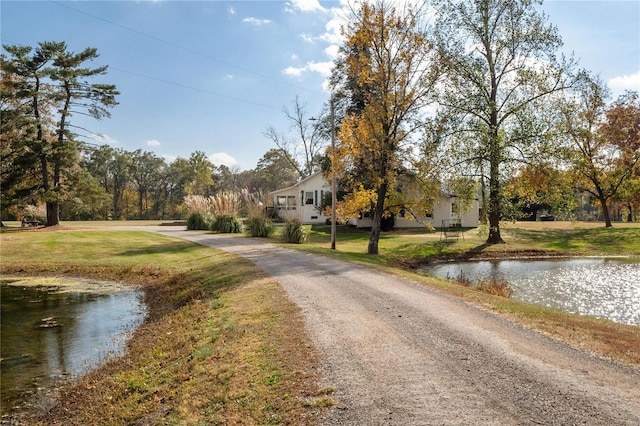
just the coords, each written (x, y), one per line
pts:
(294, 232)
(226, 203)
(198, 204)
(259, 226)
(198, 222)
(226, 224)
(495, 287)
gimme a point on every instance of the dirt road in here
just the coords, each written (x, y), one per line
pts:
(399, 353)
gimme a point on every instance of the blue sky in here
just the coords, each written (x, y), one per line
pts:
(212, 75)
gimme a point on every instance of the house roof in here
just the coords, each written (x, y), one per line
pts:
(297, 184)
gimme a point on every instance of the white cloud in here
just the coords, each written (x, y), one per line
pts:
(257, 22)
(619, 84)
(303, 6)
(153, 142)
(332, 51)
(102, 139)
(307, 38)
(222, 158)
(294, 56)
(323, 68)
(294, 71)
(231, 11)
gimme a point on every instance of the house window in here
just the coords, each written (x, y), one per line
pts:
(291, 202)
(286, 202)
(455, 209)
(308, 197)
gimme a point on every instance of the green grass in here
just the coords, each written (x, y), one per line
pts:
(199, 357)
(418, 244)
(223, 345)
(400, 251)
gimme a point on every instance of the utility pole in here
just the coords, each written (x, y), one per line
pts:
(333, 177)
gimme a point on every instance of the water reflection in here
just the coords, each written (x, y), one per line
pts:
(46, 334)
(604, 288)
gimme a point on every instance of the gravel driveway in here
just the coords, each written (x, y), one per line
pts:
(399, 353)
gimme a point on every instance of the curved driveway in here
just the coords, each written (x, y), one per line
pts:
(399, 353)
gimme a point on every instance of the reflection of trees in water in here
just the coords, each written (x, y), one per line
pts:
(77, 334)
(605, 288)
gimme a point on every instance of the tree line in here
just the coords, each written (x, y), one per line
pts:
(472, 98)
(468, 93)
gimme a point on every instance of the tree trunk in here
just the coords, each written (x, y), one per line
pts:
(605, 212)
(494, 189)
(53, 213)
(377, 220)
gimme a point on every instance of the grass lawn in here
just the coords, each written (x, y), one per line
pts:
(221, 344)
(550, 237)
(401, 251)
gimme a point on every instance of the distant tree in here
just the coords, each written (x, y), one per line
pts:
(502, 66)
(538, 187)
(179, 176)
(86, 198)
(304, 148)
(146, 172)
(275, 171)
(226, 179)
(202, 174)
(603, 142)
(622, 128)
(388, 69)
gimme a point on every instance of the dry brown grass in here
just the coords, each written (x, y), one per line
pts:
(222, 344)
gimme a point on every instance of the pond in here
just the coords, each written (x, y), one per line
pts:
(600, 287)
(52, 329)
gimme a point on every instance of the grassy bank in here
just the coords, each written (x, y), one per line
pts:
(402, 251)
(534, 238)
(221, 344)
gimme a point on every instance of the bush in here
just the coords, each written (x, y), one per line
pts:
(226, 224)
(495, 287)
(294, 232)
(259, 226)
(198, 222)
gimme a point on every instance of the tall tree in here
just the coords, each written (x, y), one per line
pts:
(304, 149)
(502, 64)
(387, 62)
(622, 128)
(604, 142)
(74, 95)
(54, 83)
(28, 108)
(202, 174)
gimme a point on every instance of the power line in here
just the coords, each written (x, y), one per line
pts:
(173, 83)
(186, 49)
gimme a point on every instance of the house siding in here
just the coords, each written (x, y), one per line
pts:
(443, 211)
(305, 213)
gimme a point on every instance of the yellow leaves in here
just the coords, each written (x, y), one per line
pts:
(356, 202)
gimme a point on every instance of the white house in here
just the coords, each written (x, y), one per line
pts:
(302, 200)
